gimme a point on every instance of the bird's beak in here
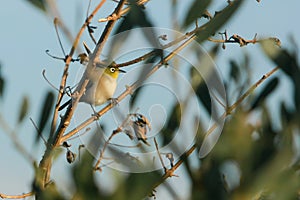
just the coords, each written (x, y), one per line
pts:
(122, 71)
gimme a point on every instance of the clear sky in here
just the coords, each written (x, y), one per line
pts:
(26, 33)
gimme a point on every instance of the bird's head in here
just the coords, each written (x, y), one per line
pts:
(113, 71)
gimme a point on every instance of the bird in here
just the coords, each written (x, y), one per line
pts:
(101, 86)
(140, 125)
(137, 124)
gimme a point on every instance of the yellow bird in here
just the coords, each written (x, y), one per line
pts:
(101, 86)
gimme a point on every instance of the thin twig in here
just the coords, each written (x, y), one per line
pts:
(18, 144)
(137, 60)
(124, 11)
(71, 108)
(90, 28)
(250, 90)
(102, 40)
(56, 22)
(115, 132)
(170, 172)
(46, 162)
(241, 41)
(46, 79)
(21, 196)
(38, 131)
(160, 158)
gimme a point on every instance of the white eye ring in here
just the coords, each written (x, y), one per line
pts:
(112, 69)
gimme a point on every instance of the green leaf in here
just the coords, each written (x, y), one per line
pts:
(23, 109)
(195, 11)
(139, 91)
(287, 62)
(200, 78)
(40, 4)
(267, 90)
(45, 112)
(282, 58)
(172, 124)
(2, 83)
(137, 17)
(286, 114)
(265, 146)
(134, 97)
(2, 86)
(137, 186)
(202, 93)
(234, 71)
(217, 21)
(84, 178)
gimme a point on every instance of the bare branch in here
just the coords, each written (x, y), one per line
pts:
(46, 162)
(101, 42)
(66, 68)
(21, 196)
(115, 132)
(160, 158)
(18, 144)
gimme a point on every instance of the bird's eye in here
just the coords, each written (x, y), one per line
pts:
(112, 69)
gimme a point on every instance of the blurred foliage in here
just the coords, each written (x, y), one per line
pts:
(265, 156)
(2, 82)
(217, 21)
(46, 111)
(40, 4)
(268, 89)
(171, 127)
(196, 11)
(265, 161)
(23, 109)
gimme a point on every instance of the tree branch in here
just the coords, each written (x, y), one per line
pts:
(128, 91)
(21, 196)
(170, 172)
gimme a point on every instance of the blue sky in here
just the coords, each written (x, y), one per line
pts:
(26, 33)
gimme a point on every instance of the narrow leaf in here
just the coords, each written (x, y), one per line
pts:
(217, 21)
(201, 89)
(2, 83)
(286, 114)
(84, 178)
(234, 71)
(134, 97)
(196, 10)
(204, 96)
(45, 112)
(139, 185)
(282, 58)
(23, 109)
(40, 4)
(287, 62)
(172, 124)
(267, 90)
(137, 17)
